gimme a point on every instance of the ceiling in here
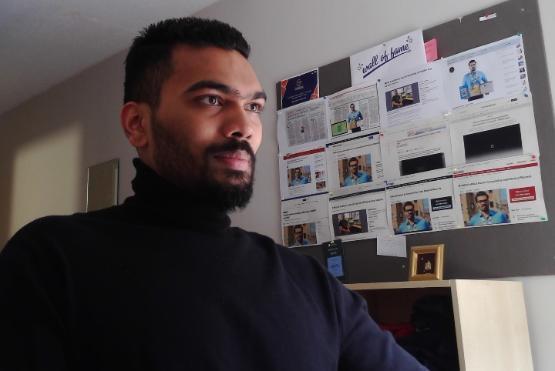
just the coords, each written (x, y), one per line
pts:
(43, 42)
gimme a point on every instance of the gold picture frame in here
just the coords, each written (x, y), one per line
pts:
(426, 262)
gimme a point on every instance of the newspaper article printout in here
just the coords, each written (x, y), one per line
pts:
(299, 88)
(505, 191)
(353, 111)
(303, 173)
(354, 165)
(360, 216)
(389, 58)
(422, 205)
(422, 148)
(303, 126)
(488, 72)
(304, 221)
(417, 95)
(496, 129)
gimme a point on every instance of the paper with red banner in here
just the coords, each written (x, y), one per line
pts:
(503, 191)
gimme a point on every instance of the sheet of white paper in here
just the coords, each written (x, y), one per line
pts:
(353, 111)
(415, 96)
(303, 173)
(389, 58)
(303, 126)
(416, 149)
(358, 217)
(491, 130)
(305, 221)
(420, 204)
(488, 72)
(354, 165)
(504, 191)
(392, 246)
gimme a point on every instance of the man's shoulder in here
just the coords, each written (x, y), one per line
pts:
(53, 226)
(286, 255)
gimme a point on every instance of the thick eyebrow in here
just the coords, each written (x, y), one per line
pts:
(226, 89)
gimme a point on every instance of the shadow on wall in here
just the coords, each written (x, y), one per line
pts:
(47, 144)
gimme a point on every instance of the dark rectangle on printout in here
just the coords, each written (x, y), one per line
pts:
(423, 163)
(494, 143)
(442, 203)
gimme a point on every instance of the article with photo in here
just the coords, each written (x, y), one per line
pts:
(303, 173)
(487, 72)
(421, 204)
(360, 216)
(305, 221)
(416, 95)
(303, 126)
(503, 191)
(422, 148)
(496, 129)
(354, 165)
(353, 111)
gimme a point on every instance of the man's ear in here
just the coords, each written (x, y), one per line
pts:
(135, 122)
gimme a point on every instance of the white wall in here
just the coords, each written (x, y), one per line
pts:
(47, 143)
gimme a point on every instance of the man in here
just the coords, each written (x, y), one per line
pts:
(473, 80)
(412, 223)
(485, 215)
(353, 118)
(299, 236)
(396, 100)
(355, 176)
(162, 282)
(298, 177)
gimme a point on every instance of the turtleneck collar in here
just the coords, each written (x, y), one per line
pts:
(159, 202)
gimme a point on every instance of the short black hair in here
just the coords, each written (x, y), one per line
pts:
(149, 60)
(297, 227)
(353, 159)
(408, 203)
(471, 61)
(481, 193)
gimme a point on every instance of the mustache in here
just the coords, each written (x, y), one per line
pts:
(230, 146)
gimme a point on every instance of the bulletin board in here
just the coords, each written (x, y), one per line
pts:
(498, 251)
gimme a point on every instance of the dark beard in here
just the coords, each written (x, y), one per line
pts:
(175, 163)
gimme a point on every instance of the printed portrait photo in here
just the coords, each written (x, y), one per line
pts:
(300, 235)
(411, 216)
(351, 222)
(485, 207)
(355, 170)
(402, 97)
(298, 176)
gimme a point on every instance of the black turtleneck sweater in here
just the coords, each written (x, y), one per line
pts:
(160, 283)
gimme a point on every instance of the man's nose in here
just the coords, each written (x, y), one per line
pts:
(238, 123)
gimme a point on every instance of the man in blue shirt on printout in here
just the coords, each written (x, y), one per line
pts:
(355, 176)
(412, 223)
(353, 118)
(299, 236)
(298, 177)
(473, 82)
(486, 215)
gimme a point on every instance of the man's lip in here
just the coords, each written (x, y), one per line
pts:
(236, 155)
(235, 160)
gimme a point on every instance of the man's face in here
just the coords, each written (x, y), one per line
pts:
(353, 167)
(298, 234)
(483, 203)
(352, 107)
(472, 66)
(207, 126)
(409, 212)
(297, 173)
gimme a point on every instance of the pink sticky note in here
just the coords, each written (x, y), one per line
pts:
(431, 50)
